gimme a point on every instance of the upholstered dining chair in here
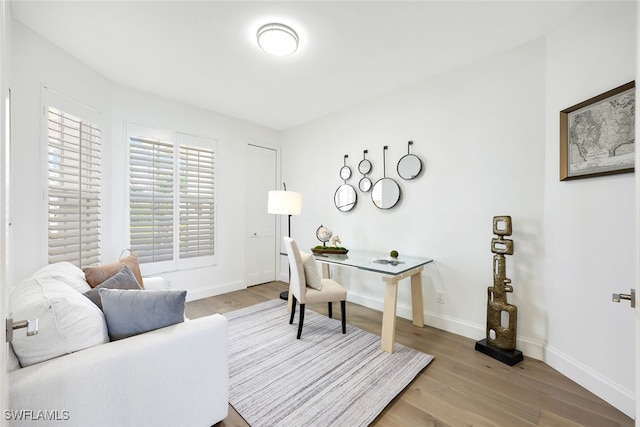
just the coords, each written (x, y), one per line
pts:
(308, 287)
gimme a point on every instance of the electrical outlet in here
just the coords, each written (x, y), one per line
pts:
(440, 297)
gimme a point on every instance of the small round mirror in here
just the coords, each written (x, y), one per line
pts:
(385, 193)
(345, 172)
(345, 198)
(365, 184)
(364, 167)
(409, 166)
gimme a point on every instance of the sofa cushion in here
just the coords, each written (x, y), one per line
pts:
(12, 363)
(65, 272)
(98, 274)
(67, 320)
(311, 274)
(124, 279)
(131, 312)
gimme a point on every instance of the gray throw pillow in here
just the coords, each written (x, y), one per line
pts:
(132, 312)
(124, 279)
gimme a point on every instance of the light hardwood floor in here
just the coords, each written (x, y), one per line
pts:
(461, 387)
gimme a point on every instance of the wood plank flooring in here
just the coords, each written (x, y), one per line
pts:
(461, 387)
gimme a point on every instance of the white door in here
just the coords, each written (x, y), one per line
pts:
(260, 244)
(637, 173)
(5, 155)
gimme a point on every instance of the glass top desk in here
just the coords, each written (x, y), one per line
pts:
(392, 272)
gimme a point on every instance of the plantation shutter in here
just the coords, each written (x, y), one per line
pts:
(196, 202)
(151, 199)
(171, 199)
(73, 189)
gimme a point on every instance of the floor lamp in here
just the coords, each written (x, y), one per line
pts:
(285, 203)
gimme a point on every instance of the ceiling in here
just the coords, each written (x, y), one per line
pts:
(204, 53)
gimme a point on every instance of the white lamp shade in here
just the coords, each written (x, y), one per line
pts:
(284, 203)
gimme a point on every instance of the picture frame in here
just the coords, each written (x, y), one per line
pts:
(597, 135)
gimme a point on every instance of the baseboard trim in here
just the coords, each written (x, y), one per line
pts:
(475, 331)
(611, 392)
(210, 291)
(620, 397)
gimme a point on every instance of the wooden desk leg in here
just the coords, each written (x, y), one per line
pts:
(326, 271)
(389, 316)
(417, 310)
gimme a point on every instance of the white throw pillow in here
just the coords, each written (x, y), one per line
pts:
(311, 275)
(65, 272)
(67, 320)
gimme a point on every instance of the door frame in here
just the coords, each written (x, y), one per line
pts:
(637, 212)
(5, 197)
(276, 148)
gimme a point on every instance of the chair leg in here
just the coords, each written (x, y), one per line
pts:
(293, 308)
(330, 309)
(301, 320)
(343, 308)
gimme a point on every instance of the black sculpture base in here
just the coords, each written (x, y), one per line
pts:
(510, 357)
(284, 295)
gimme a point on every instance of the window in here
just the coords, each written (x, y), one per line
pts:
(196, 202)
(171, 199)
(73, 188)
(151, 199)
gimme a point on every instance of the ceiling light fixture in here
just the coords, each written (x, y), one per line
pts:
(277, 39)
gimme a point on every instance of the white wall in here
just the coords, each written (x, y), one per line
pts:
(480, 132)
(37, 61)
(590, 250)
(488, 133)
(231, 138)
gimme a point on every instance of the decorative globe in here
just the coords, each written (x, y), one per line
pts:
(323, 234)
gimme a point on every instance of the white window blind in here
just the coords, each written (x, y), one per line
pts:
(73, 189)
(171, 199)
(151, 201)
(196, 202)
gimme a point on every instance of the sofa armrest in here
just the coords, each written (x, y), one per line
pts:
(174, 376)
(155, 283)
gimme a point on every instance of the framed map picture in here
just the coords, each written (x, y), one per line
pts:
(597, 135)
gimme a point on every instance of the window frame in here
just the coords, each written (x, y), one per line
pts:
(58, 101)
(176, 139)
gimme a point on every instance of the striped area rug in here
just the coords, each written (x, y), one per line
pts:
(324, 379)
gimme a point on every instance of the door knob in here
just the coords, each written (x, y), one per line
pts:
(631, 297)
(31, 325)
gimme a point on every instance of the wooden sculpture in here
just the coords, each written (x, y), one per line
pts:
(502, 317)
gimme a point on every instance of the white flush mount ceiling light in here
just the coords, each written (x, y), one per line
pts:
(277, 39)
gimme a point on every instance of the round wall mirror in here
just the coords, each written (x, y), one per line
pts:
(364, 167)
(345, 198)
(345, 172)
(409, 166)
(365, 184)
(385, 193)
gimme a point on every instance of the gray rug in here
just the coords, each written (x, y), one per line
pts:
(324, 379)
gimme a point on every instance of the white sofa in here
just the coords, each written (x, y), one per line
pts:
(173, 376)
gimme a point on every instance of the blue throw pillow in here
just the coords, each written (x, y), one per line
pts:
(132, 312)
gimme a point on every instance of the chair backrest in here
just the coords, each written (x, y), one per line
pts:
(298, 281)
